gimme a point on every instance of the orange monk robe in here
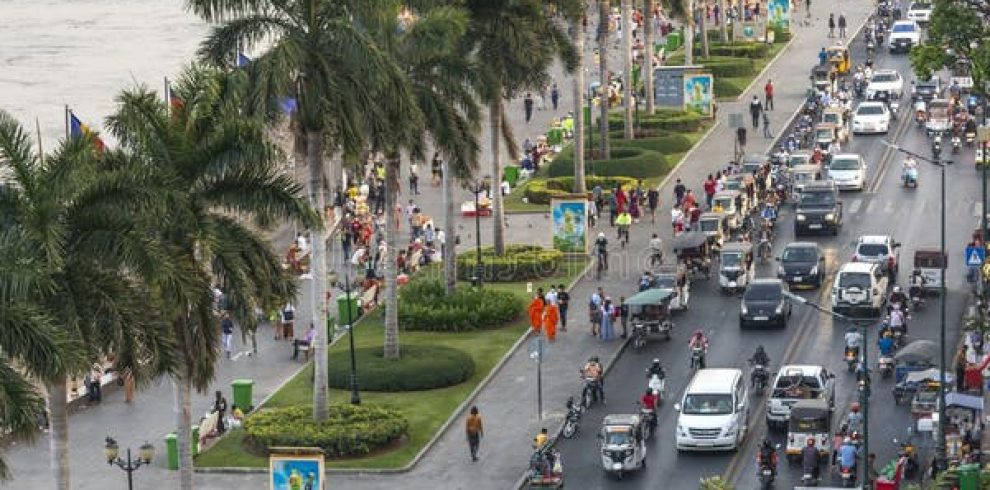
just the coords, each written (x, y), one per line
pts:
(551, 315)
(536, 313)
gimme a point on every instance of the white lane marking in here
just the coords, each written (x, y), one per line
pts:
(870, 206)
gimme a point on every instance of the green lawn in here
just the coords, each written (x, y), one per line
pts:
(426, 410)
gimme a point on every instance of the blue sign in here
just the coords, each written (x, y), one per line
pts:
(975, 256)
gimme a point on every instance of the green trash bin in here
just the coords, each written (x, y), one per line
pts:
(674, 40)
(344, 301)
(555, 137)
(242, 393)
(512, 175)
(172, 450)
(195, 440)
(969, 477)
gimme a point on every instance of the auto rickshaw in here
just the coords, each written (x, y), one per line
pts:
(752, 162)
(821, 77)
(650, 314)
(809, 419)
(623, 447)
(840, 59)
(693, 251)
(713, 225)
(913, 365)
(734, 182)
(837, 116)
(925, 400)
(801, 175)
(730, 203)
(546, 469)
(676, 278)
(825, 135)
(735, 269)
(929, 261)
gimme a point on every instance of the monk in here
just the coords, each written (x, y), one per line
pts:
(551, 315)
(536, 311)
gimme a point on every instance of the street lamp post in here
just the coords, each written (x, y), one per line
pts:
(145, 454)
(355, 394)
(940, 442)
(476, 187)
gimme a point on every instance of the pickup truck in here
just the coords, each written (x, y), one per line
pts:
(798, 382)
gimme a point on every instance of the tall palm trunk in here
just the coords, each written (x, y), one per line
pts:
(722, 24)
(449, 257)
(703, 20)
(605, 13)
(388, 264)
(318, 268)
(58, 408)
(183, 424)
(578, 38)
(648, 56)
(689, 33)
(627, 65)
(498, 222)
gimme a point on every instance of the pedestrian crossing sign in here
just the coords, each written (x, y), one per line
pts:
(975, 256)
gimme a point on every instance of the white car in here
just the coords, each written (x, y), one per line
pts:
(889, 81)
(903, 35)
(920, 12)
(848, 171)
(871, 117)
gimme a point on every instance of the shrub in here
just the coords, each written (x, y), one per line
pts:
(542, 191)
(421, 367)
(519, 263)
(424, 306)
(747, 50)
(730, 88)
(665, 120)
(627, 160)
(351, 430)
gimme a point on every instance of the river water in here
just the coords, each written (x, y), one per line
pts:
(81, 53)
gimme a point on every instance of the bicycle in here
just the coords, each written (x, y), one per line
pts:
(602, 259)
(623, 235)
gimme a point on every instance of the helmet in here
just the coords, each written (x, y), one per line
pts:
(847, 441)
(759, 348)
(593, 359)
(601, 234)
(897, 289)
(699, 333)
(648, 392)
(656, 360)
(855, 407)
(916, 272)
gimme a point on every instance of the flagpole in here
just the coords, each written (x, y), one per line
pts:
(41, 150)
(67, 114)
(168, 98)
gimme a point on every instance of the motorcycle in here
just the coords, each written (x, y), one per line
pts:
(697, 357)
(886, 367)
(910, 177)
(759, 376)
(920, 118)
(851, 355)
(639, 335)
(657, 385)
(937, 145)
(917, 294)
(589, 394)
(572, 422)
(956, 144)
(649, 420)
(808, 477)
(848, 475)
(970, 138)
(766, 470)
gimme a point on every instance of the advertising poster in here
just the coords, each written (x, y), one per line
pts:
(296, 472)
(698, 94)
(749, 31)
(570, 225)
(780, 14)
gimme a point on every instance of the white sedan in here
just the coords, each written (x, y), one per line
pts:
(871, 117)
(889, 81)
(848, 171)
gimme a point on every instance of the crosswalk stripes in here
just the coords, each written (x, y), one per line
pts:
(870, 206)
(853, 206)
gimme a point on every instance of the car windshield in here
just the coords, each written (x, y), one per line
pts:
(618, 436)
(709, 225)
(799, 254)
(700, 404)
(800, 159)
(872, 249)
(665, 282)
(921, 6)
(844, 164)
(731, 259)
(854, 280)
(884, 77)
(869, 110)
(903, 28)
(810, 425)
(762, 292)
(817, 198)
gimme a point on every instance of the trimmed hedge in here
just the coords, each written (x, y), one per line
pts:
(421, 367)
(519, 263)
(629, 159)
(351, 430)
(672, 121)
(541, 191)
(424, 306)
(730, 88)
(750, 50)
(722, 66)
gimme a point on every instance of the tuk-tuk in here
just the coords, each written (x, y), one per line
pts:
(735, 269)
(825, 135)
(821, 77)
(668, 277)
(939, 117)
(803, 174)
(714, 227)
(650, 313)
(731, 204)
(752, 162)
(809, 419)
(734, 182)
(546, 469)
(837, 116)
(800, 157)
(912, 365)
(839, 58)
(623, 447)
(929, 261)
(692, 250)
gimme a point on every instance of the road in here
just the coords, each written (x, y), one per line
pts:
(910, 215)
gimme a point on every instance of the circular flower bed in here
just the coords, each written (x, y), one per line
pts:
(519, 263)
(420, 367)
(351, 430)
(424, 305)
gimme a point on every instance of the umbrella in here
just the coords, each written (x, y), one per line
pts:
(917, 352)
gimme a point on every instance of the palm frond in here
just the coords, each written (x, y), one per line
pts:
(21, 406)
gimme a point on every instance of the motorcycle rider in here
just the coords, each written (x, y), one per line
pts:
(897, 296)
(767, 457)
(645, 281)
(656, 250)
(760, 358)
(917, 284)
(601, 248)
(854, 420)
(898, 320)
(649, 401)
(886, 344)
(909, 164)
(593, 370)
(698, 340)
(657, 369)
(847, 455)
(810, 458)
(853, 340)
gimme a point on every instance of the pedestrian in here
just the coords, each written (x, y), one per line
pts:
(220, 407)
(536, 311)
(677, 219)
(653, 201)
(595, 311)
(563, 300)
(831, 25)
(766, 125)
(528, 106)
(755, 108)
(624, 314)
(94, 388)
(608, 317)
(551, 297)
(709, 187)
(768, 93)
(543, 98)
(551, 316)
(475, 430)
(414, 179)
(287, 322)
(555, 96)
(613, 209)
(807, 8)
(129, 385)
(679, 191)
(435, 166)
(227, 329)
(822, 56)
(842, 25)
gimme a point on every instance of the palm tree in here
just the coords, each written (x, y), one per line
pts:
(604, 14)
(515, 43)
(578, 33)
(723, 25)
(648, 56)
(627, 62)
(702, 13)
(72, 292)
(221, 176)
(343, 84)
(684, 10)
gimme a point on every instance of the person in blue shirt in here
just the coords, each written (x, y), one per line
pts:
(847, 454)
(886, 345)
(822, 56)
(769, 212)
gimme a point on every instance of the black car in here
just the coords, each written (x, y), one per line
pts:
(802, 264)
(818, 209)
(927, 89)
(764, 303)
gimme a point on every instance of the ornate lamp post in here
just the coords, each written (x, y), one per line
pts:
(145, 454)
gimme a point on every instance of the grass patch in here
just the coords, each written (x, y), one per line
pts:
(425, 410)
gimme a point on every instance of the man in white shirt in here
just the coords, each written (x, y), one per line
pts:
(302, 243)
(551, 297)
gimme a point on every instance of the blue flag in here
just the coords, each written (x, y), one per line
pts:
(243, 60)
(287, 104)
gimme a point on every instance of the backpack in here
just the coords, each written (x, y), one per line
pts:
(288, 315)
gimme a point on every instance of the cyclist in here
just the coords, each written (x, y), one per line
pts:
(601, 248)
(623, 221)
(656, 250)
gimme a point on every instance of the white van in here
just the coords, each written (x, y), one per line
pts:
(713, 411)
